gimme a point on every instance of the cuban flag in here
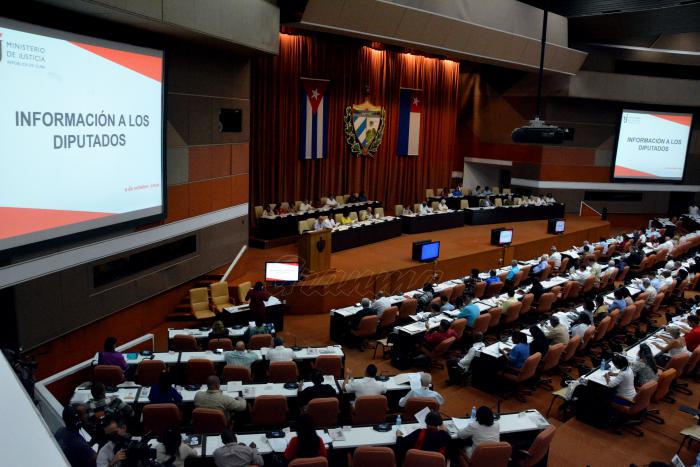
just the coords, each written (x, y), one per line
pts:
(410, 105)
(314, 119)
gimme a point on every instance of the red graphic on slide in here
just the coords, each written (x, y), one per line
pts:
(621, 171)
(680, 119)
(146, 65)
(21, 221)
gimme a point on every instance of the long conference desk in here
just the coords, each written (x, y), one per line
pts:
(454, 202)
(364, 233)
(420, 223)
(507, 214)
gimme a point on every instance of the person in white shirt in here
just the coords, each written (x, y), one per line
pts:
(668, 278)
(693, 210)
(324, 222)
(649, 290)
(406, 211)
(485, 429)
(622, 380)
(367, 386)
(280, 353)
(549, 198)
(581, 275)
(423, 391)
(304, 206)
(584, 321)
(442, 207)
(115, 431)
(380, 304)
(666, 245)
(331, 201)
(556, 257)
(653, 234)
(425, 209)
(487, 191)
(456, 368)
(670, 264)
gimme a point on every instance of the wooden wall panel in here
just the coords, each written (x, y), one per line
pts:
(239, 189)
(221, 193)
(178, 202)
(200, 163)
(239, 159)
(220, 160)
(200, 198)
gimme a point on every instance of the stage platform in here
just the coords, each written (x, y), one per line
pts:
(361, 272)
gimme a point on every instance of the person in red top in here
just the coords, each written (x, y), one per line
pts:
(692, 339)
(306, 443)
(257, 296)
(440, 334)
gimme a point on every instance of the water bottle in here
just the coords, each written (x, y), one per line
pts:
(602, 364)
(398, 423)
(473, 417)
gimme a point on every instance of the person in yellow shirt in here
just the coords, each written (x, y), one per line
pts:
(346, 219)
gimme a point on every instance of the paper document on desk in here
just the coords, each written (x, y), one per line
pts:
(402, 378)
(278, 444)
(421, 414)
(233, 386)
(539, 420)
(414, 379)
(272, 301)
(336, 434)
(461, 423)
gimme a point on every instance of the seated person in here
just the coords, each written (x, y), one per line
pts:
(381, 303)
(673, 345)
(457, 192)
(318, 390)
(77, 451)
(469, 311)
(259, 328)
(619, 303)
(644, 368)
(477, 190)
(470, 281)
(556, 331)
(445, 192)
(100, 406)
(164, 392)
(331, 202)
(218, 331)
(508, 201)
(406, 211)
(280, 353)
(458, 367)
(539, 343)
(588, 309)
(485, 203)
(423, 391)
(362, 197)
(442, 207)
(431, 438)
(115, 431)
(346, 219)
(236, 454)
(109, 355)
(542, 265)
(365, 311)
(487, 191)
(172, 447)
(579, 329)
(305, 205)
(214, 398)
(445, 304)
(240, 356)
(306, 443)
(367, 386)
(692, 338)
(433, 338)
(582, 274)
(601, 310)
(536, 289)
(549, 198)
(354, 198)
(281, 210)
(622, 380)
(324, 222)
(519, 353)
(510, 300)
(425, 208)
(492, 278)
(425, 297)
(485, 429)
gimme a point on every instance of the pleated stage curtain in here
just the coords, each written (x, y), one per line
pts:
(276, 171)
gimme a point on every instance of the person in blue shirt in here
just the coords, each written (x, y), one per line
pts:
(514, 270)
(457, 192)
(619, 302)
(469, 311)
(445, 304)
(164, 392)
(520, 351)
(541, 266)
(492, 278)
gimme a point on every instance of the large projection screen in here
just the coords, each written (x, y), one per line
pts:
(81, 134)
(652, 145)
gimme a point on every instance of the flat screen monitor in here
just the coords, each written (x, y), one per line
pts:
(81, 134)
(652, 146)
(425, 250)
(556, 226)
(281, 272)
(501, 236)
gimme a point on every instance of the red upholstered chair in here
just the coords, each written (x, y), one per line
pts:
(369, 410)
(527, 303)
(373, 456)
(184, 343)
(408, 308)
(538, 449)
(329, 365)
(149, 372)
(209, 421)
(528, 371)
(198, 370)
(494, 320)
(309, 462)
(549, 363)
(259, 341)
(457, 291)
(283, 372)
(511, 314)
(573, 345)
(269, 411)
(494, 288)
(224, 343)
(388, 319)
(636, 412)
(420, 458)
(459, 325)
(324, 411)
(109, 375)
(544, 305)
(159, 417)
(416, 404)
(439, 352)
(236, 373)
(479, 290)
(481, 323)
(491, 455)
(366, 328)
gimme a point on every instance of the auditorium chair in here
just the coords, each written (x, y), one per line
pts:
(149, 371)
(319, 461)
(457, 291)
(459, 325)
(199, 303)
(236, 373)
(324, 411)
(243, 289)
(258, 341)
(379, 212)
(340, 199)
(678, 362)
(416, 404)
(367, 328)
(269, 411)
(574, 291)
(463, 204)
(159, 417)
(489, 454)
(693, 363)
(636, 413)
(209, 421)
(537, 451)
(416, 208)
(388, 320)
(408, 308)
(479, 289)
(429, 193)
(518, 379)
(198, 370)
(511, 315)
(481, 323)
(544, 275)
(297, 205)
(549, 363)
(564, 265)
(284, 205)
(219, 295)
(323, 200)
(498, 202)
(587, 285)
(338, 218)
(369, 410)
(439, 352)
(434, 205)
(329, 365)
(544, 305)
(258, 211)
(283, 372)
(654, 309)
(420, 458)
(224, 344)
(493, 289)
(373, 456)
(661, 394)
(303, 226)
(184, 343)
(109, 375)
(398, 209)
(346, 198)
(517, 201)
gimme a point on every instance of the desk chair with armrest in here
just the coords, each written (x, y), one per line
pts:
(634, 414)
(420, 458)
(369, 410)
(416, 404)
(488, 455)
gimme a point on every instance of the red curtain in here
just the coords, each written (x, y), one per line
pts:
(277, 173)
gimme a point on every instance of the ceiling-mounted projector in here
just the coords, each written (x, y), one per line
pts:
(538, 131)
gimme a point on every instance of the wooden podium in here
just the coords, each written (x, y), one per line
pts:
(315, 250)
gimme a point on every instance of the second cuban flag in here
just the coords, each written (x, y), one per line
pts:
(410, 109)
(314, 119)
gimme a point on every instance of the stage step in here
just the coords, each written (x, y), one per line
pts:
(263, 244)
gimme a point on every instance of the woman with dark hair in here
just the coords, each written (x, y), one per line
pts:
(431, 438)
(622, 380)
(644, 368)
(539, 343)
(306, 443)
(257, 296)
(164, 392)
(218, 331)
(109, 355)
(172, 451)
(536, 290)
(485, 429)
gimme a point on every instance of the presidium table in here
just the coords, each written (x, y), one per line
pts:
(345, 237)
(504, 214)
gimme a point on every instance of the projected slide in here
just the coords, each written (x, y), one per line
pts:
(80, 133)
(652, 145)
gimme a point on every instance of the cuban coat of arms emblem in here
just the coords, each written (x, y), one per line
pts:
(364, 127)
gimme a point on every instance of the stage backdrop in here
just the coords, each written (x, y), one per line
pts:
(278, 174)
